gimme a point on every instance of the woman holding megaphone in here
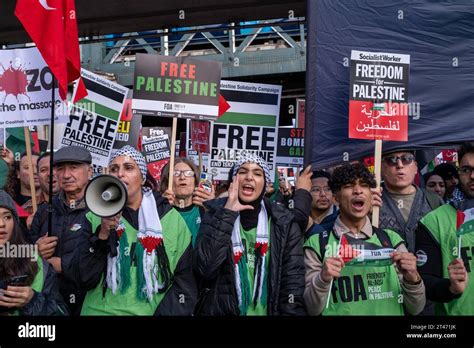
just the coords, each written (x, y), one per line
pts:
(146, 268)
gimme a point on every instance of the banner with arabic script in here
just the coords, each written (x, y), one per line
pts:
(378, 107)
(440, 42)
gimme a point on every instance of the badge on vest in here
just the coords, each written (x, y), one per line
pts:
(76, 227)
(421, 258)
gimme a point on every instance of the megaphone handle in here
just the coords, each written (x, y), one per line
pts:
(113, 241)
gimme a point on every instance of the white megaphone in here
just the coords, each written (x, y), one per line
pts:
(105, 196)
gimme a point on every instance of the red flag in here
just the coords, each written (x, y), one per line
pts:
(52, 26)
(223, 106)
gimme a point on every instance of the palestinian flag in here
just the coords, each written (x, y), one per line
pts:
(101, 99)
(465, 222)
(364, 254)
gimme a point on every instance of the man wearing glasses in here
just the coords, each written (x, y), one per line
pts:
(404, 204)
(450, 258)
(323, 210)
(186, 196)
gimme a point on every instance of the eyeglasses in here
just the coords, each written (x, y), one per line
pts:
(465, 170)
(393, 160)
(187, 173)
(318, 190)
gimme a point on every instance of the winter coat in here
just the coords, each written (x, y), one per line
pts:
(66, 225)
(214, 266)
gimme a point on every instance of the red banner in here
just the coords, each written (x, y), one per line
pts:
(383, 121)
(200, 136)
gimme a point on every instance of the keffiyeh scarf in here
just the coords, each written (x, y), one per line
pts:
(153, 270)
(457, 198)
(240, 263)
(253, 159)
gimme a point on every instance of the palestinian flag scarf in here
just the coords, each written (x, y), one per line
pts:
(240, 263)
(153, 269)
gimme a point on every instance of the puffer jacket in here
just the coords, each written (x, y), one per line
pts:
(214, 267)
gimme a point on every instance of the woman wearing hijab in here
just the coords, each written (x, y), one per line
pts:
(248, 252)
(28, 283)
(148, 271)
(435, 183)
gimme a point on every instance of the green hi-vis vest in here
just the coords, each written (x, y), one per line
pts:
(362, 290)
(38, 282)
(176, 238)
(442, 225)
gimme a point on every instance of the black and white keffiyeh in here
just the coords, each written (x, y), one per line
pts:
(153, 269)
(249, 157)
(259, 292)
(127, 150)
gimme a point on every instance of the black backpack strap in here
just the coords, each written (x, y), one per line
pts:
(383, 237)
(323, 241)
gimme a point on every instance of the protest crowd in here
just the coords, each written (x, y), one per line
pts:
(116, 218)
(305, 250)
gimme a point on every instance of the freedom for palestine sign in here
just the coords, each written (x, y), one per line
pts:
(378, 101)
(176, 87)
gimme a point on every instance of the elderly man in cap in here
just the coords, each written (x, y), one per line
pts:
(73, 168)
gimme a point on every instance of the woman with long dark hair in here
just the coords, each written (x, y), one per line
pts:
(28, 284)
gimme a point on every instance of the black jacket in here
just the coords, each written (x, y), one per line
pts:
(214, 267)
(301, 210)
(66, 225)
(92, 265)
(49, 301)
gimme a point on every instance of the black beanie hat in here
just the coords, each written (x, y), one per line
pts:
(7, 202)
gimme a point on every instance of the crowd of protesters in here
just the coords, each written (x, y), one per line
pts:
(246, 247)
